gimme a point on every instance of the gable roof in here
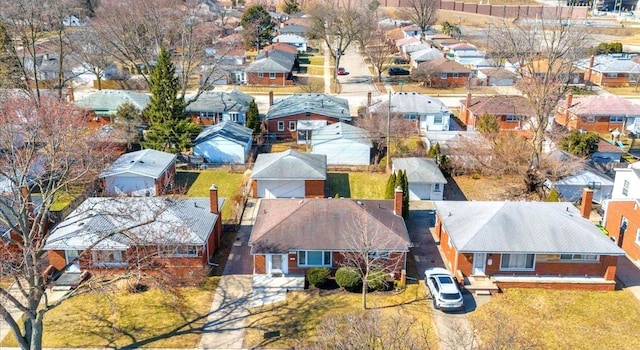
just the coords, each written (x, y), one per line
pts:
(289, 38)
(122, 222)
(146, 162)
(282, 48)
(322, 104)
(499, 105)
(270, 65)
(606, 105)
(283, 225)
(446, 65)
(516, 227)
(290, 165)
(499, 73)
(420, 170)
(227, 129)
(108, 101)
(426, 55)
(462, 47)
(409, 102)
(609, 64)
(219, 101)
(293, 28)
(340, 131)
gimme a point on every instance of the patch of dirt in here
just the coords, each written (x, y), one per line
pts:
(485, 188)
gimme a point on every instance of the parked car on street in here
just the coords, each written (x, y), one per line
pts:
(398, 71)
(342, 71)
(443, 289)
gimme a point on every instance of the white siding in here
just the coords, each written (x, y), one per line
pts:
(280, 189)
(634, 184)
(344, 152)
(221, 150)
(130, 184)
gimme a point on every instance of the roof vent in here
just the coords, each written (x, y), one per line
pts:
(359, 203)
(301, 201)
(450, 214)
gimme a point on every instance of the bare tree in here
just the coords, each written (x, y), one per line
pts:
(544, 51)
(91, 55)
(423, 13)
(425, 74)
(379, 52)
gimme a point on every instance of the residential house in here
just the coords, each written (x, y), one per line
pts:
(138, 232)
(295, 116)
(627, 182)
(570, 187)
(408, 49)
(289, 174)
(513, 111)
(342, 143)
(103, 105)
(425, 55)
(47, 66)
(213, 107)
(142, 173)
(426, 181)
(272, 67)
(446, 73)
(291, 235)
(227, 142)
(296, 40)
(465, 54)
(223, 64)
(293, 29)
(600, 113)
(609, 70)
(621, 219)
(426, 112)
(539, 68)
(606, 153)
(508, 244)
(496, 76)
(74, 21)
(406, 41)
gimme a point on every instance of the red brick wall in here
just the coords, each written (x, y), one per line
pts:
(272, 125)
(57, 259)
(166, 178)
(314, 188)
(601, 79)
(559, 286)
(600, 125)
(615, 211)
(280, 79)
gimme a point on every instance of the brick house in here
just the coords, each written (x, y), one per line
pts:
(600, 113)
(508, 244)
(513, 111)
(142, 173)
(213, 107)
(272, 67)
(445, 72)
(102, 105)
(609, 70)
(622, 221)
(295, 116)
(291, 235)
(132, 232)
(289, 174)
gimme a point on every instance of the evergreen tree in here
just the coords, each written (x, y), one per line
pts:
(170, 130)
(257, 27)
(290, 6)
(253, 118)
(580, 143)
(488, 124)
(391, 186)
(405, 195)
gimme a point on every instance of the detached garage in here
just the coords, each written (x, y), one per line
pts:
(343, 144)
(143, 173)
(426, 181)
(289, 174)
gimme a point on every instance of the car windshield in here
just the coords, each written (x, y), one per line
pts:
(450, 296)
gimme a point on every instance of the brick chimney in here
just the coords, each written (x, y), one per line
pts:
(369, 99)
(213, 199)
(271, 98)
(70, 96)
(397, 201)
(585, 206)
(589, 71)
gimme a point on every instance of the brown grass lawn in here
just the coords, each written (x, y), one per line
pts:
(488, 188)
(150, 319)
(556, 319)
(417, 87)
(299, 316)
(626, 91)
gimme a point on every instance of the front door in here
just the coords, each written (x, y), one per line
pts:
(479, 261)
(73, 260)
(277, 264)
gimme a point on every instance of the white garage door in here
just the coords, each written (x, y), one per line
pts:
(133, 185)
(419, 191)
(280, 189)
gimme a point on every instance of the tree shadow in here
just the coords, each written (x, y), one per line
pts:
(338, 183)
(185, 179)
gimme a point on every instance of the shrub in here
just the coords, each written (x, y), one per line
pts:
(377, 279)
(317, 275)
(348, 277)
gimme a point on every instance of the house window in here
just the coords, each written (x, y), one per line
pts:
(178, 250)
(623, 225)
(281, 126)
(233, 116)
(379, 255)
(314, 258)
(625, 188)
(292, 125)
(517, 262)
(436, 188)
(454, 75)
(108, 257)
(272, 75)
(511, 118)
(410, 117)
(260, 75)
(591, 119)
(437, 119)
(443, 76)
(638, 236)
(578, 257)
(612, 75)
(616, 119)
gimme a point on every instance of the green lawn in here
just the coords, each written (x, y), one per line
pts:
(198, 183)
(153, 318)
(357, 185)
(556, 319)
(298, 318)
(63, 198)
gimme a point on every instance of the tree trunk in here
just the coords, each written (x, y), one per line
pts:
(364, 293)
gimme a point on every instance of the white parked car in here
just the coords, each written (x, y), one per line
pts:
(444, 289)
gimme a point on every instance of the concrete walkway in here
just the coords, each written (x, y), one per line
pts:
(13, 311)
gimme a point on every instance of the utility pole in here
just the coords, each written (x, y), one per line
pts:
(389, 134)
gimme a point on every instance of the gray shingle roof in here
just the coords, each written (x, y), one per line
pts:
(228, 130)
(426, 55)
(326, 224)
(108, 101)
(409, 102)
(137, 221)
(420, 170)
(218, 102)
(609, 64)
(522, 227)
(146, 162)
(272, 61)
(293, 28)
(340, 131)
(322, 104)
(290, 165)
